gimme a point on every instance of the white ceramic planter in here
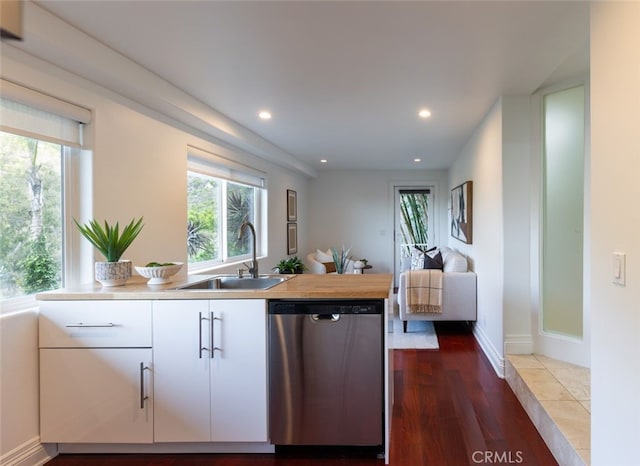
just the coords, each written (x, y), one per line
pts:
(113, 273)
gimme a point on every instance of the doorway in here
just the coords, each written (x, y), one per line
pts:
(414, 224)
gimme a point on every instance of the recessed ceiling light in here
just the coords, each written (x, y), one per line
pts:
(264, 115)
(417, 160)
(424, 113)
(323, 160)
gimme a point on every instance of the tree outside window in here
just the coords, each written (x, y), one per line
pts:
(414, 210)
(31, 221)
(216, 209)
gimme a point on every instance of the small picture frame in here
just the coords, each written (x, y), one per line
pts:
(292, 206)
(292, 238)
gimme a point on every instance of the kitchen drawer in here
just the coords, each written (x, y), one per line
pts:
(95, 324)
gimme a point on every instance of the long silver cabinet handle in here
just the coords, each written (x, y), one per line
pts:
(214, 348)
(200, 347)
(83, 325)
(143, 397)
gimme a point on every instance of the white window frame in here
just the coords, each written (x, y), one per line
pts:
(59, 118)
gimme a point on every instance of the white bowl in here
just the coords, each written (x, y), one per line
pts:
(161, 274)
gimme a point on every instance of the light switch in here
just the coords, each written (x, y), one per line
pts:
(619, 268)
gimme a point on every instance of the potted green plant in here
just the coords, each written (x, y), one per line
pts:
(111, 243)
(289, 266)
(341, 259)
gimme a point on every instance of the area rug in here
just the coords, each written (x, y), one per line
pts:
(420, 335)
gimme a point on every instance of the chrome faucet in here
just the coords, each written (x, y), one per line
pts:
(253, 269)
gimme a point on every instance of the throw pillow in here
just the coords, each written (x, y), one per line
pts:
(324, 256)
(455, 262)
(417, 259)
(433, 259)
(330, 266)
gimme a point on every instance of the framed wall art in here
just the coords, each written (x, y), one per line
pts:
(462, 212)
(292, 238)
(292, 206)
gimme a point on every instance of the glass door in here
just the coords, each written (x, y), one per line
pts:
(414, 224)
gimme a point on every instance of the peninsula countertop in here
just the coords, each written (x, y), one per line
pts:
(303, 286)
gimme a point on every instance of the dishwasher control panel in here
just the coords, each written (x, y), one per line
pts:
(326, 307)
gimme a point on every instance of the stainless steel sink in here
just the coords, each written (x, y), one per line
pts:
(232, 282)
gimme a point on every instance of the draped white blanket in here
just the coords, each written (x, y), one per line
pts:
(424, 291)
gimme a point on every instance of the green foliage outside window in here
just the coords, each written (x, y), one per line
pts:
(206, 224)
(30, 215)
(414, 211)
(239, 209)
(40, 268)
(202, 228)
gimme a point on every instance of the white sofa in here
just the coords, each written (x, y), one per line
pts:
(458, 292)
(316, 262)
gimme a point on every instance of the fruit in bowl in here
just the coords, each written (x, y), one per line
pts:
(159, 273)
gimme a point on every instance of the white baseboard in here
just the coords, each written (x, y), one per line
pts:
(518, 344)
(30, 453)
(494, 356)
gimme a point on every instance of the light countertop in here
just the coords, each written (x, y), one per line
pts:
(304, 286)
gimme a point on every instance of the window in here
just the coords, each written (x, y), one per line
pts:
(30, 215)
(39, 136)
(221, 195)
(563, 211)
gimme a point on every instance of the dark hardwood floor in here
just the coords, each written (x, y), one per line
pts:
(450, 410)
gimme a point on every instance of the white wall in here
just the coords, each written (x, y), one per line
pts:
(615, 222)
(481, 161)
(19, 415)
(497, 159)
(355, 209)
(516, 204)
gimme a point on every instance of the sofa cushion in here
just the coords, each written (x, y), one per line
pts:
(433, 259)
(330, 267)
(417, 259)
(324, 256)
(455, 262)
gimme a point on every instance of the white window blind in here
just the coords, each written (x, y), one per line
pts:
(33, 114)
(201, 161)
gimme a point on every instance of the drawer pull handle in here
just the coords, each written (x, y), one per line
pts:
(83, 325)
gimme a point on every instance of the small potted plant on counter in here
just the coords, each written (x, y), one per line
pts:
(111, 244)
(289, 266)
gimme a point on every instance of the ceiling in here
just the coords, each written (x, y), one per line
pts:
(344, 80)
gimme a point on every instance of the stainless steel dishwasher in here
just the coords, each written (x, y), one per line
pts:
(326, 372)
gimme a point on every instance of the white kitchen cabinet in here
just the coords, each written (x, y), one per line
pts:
(95, 395)
(210, 370)
(95, 372)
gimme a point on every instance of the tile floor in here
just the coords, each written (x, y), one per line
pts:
(557, 397)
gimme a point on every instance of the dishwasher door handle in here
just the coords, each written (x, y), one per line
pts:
(325, 317)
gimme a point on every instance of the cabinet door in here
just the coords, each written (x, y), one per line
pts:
(239, 371)
(96, 395)
(181, 370)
